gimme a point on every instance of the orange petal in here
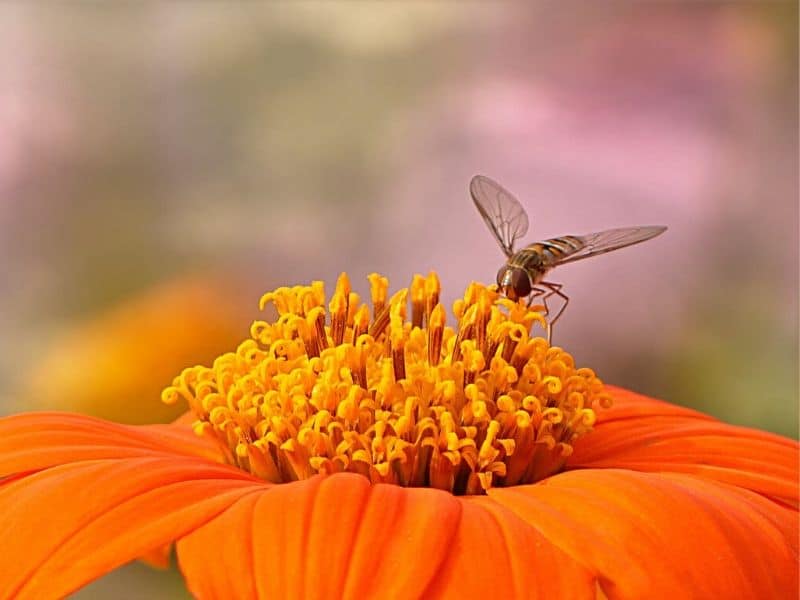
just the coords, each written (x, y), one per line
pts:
(185, 419)
(642, 434)
(70, 524)
(323, 537)
(665, 535)
(629, 404)
(338, 536)
(496, 554)
(159, 557)
(33, 441)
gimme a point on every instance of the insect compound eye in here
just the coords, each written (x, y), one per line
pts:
(502, 277)
(520, 283)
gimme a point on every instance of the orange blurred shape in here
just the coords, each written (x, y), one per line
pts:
(115, 364)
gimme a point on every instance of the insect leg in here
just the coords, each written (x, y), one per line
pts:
(555, 289)
(537, 292)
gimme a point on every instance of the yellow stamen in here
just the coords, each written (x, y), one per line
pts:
(410, 402)
(339, 309)
(379, 287)
(418, 300)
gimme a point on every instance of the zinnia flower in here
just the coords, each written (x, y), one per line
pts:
(349, 451)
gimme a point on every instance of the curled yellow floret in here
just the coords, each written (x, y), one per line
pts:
(340, 385)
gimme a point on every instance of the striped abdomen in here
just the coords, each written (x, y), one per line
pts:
(542, 256)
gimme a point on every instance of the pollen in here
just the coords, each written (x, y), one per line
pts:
(337, 384)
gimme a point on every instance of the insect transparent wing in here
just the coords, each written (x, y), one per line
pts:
(503, 213)
(612, 239)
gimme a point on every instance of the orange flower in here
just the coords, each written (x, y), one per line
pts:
(113, 364)
(322, 438)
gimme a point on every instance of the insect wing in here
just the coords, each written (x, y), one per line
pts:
(503, 213)
(612, 239)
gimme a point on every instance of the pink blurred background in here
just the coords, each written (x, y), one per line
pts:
(207, 152)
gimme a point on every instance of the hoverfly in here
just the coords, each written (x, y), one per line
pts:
(523, 274)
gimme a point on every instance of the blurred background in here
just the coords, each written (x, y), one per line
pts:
(161, 165)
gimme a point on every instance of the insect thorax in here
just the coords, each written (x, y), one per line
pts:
(532, 259)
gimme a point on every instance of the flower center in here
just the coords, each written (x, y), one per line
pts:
(406, 401)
